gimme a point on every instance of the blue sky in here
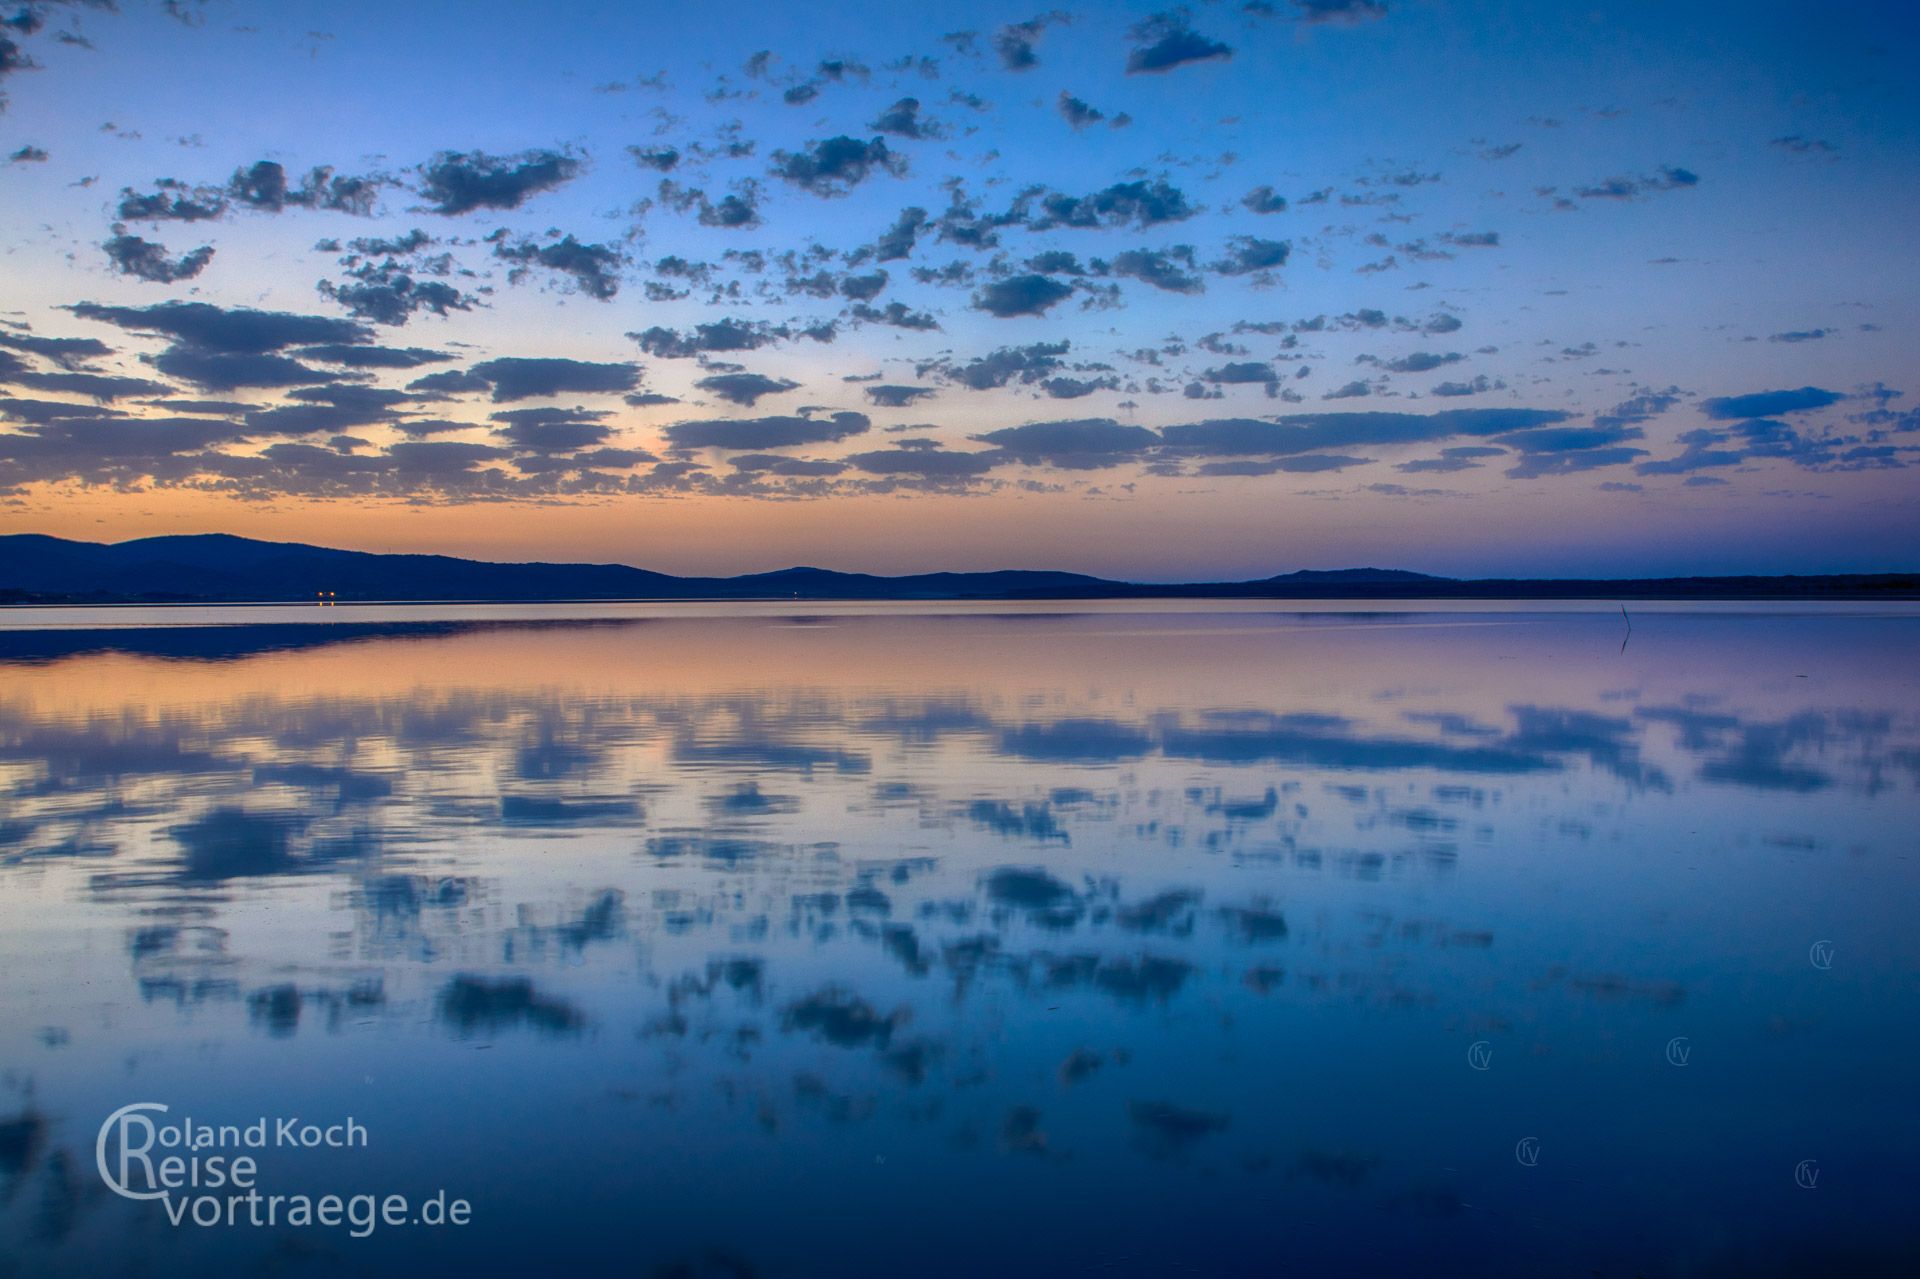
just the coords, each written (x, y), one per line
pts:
(1215, 291)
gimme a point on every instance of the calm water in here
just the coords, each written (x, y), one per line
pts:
(974, 940)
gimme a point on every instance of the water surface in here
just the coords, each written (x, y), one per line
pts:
(975, 939)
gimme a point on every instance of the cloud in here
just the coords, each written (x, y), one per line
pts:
(1247, 254)
(223, 349)
(12, 57)
(776, 464)
(1564, 439)
(761, 433)
(217, 371)
(962, 223)
(737, 209)
(898, 397)
(1140, 203)
(96, 446)
(1169, 270)
(1314, 432)
(1015, 42)
(457, 182)
(1422, 362)
(1026, 364)
(145, 260)
(744, 388)
(1263, 200)
(1669, 178)
(1769, 403)
(551, 430)
(226, 330)
(733, 212)
(1798, 144)
(1080, 114)
(1084, 444)
(95, 386)
(836, 165)
(295, 420)
(896, 315)
(863, 288)
(376, 400)
(933, 465)
(1347, 11)
(1242, 373)
(374, 357)
(173, 201)
(1020, 295)
(449, 382)
(262, 186)
(68, 353)
(594, 268)
(1636, 409)
(518, 378)
(659, 159)
(1564, 450)
(1070, 388)
(101, 446)
(1307, 464)
(1168, 41)
(897, 241)
(1768, 438)
(903, 120)
(1699, 455)
(721, 335)
(385, 292)
(1536, 465)
(1463, 458)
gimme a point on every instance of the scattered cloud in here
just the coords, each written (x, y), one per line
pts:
(836, 165)
(145, 260)
(1168, 40)
(459, 182)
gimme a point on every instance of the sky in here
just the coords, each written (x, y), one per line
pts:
(1211, 292)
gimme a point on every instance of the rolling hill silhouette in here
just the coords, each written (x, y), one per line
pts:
(220, 568)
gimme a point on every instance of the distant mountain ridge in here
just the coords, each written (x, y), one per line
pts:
(221, 568)
(1308, 575)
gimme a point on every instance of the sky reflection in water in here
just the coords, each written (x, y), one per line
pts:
(979, 943)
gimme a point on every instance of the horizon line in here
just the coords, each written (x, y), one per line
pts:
(1191, 581)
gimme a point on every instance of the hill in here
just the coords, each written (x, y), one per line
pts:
(219, 568)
